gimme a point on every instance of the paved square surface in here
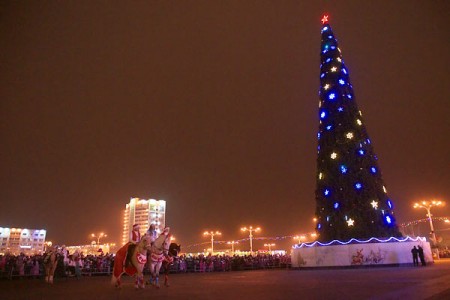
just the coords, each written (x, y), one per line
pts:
(430, 282)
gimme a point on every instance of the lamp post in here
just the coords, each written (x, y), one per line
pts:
(251, 230)
(299, 238)
(428, 205)
(47, 244)
(270, 246)
(212, 234)
(98, 236)
(232, 245)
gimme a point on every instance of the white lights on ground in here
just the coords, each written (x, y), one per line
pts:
(350, 222)
(374, 204)
(333, 155)
(353, 240)
(349, 135)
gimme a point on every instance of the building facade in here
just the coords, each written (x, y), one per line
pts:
(22, 240)
(143, 212)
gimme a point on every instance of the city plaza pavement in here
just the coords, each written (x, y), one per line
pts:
(406, 282)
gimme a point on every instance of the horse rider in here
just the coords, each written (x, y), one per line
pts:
(151, 232)
(135, 235)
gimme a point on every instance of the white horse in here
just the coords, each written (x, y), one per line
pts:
(158, 252)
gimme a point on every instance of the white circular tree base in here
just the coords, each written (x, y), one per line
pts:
(392, 251)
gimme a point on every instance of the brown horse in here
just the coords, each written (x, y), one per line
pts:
(131, 259)
(174, 249)
(50, 263)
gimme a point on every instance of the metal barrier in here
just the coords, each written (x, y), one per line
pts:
(183, 265)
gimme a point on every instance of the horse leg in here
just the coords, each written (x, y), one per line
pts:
(152, 273)
(52, 273)
(166, 274)
(46, 274)
(140, 280)
(137, 280)
(157, 267)
(50, 276)
(149, 281)
(115, 281)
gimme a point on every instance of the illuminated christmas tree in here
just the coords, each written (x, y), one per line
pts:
(352, 201)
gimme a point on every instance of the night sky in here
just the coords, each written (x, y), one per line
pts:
(211, 106)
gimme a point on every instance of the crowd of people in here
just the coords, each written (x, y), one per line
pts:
(213, 263)
(72, 265)
(92, 265)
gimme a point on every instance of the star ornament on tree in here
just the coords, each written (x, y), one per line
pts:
(324, 19)
(374, 204)
(350, 222)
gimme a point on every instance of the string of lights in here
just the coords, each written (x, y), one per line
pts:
(415, 222)
(275, 238)
(355, 241)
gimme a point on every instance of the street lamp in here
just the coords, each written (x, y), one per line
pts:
(212, 234)
(428, 205)
(299, 238)
(98, 236)
(48, 245)
(270, 246)
(232, 245)
(251, 230)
